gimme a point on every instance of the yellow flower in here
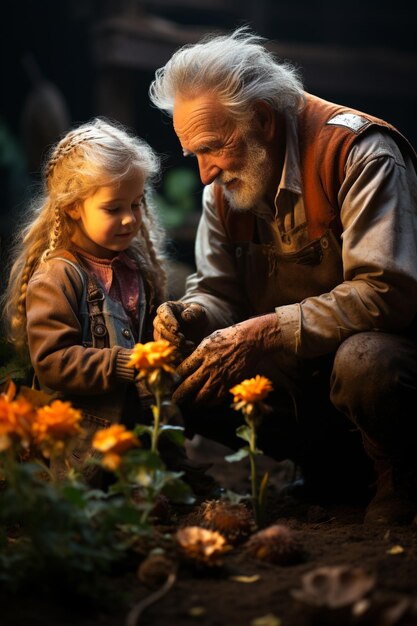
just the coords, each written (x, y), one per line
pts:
(252, 389)
(53, 427)
(16, 418)
(111, 461)
(56, 422)
(5, 442)
(114, 440)
(152, 355)
(7, 422)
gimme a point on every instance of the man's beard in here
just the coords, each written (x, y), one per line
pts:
(253, 178)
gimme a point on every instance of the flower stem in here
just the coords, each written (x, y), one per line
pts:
(156, 421)
(254, 477)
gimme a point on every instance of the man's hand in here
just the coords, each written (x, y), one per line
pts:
(225, 358)
(182, 324)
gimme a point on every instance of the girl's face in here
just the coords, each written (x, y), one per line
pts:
(107, 221)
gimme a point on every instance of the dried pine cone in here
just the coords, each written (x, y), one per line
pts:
(234, 521)
(155, 569)
(276, 544)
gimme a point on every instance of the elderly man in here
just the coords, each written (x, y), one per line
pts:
(306, 257)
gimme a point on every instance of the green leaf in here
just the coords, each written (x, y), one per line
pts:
(74, 496)
(14, 366)
(170, 412)
(234, 498)
(142, 429)
(139, 457)
(237, 456)
(257, 451)
(174, 433)
(178, 491)
(168, 427)
(244, 432)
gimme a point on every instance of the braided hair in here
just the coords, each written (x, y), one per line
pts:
(98, 153)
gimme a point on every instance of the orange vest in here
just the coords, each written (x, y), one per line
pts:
(324, 144)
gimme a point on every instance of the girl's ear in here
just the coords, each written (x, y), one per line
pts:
(73, 210)
(265, 119)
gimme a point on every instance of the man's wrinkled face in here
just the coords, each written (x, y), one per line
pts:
(227, 153)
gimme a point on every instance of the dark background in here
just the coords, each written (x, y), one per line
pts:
(99, 56)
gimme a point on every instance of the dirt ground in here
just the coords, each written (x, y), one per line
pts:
(370, 576)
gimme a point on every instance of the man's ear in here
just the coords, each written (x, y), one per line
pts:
(73, 210)
(265, 119)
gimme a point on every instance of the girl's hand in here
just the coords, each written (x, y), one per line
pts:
(182, 324)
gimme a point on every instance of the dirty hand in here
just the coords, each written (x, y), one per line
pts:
(225, 358)
(182, 324)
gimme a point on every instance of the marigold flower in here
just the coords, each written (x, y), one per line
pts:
(153, 355)
(16, 418)
(7, 422)
(252, 389)
(56, 422)
(5, 442)
(114, 440)
(111, 461)
(10, 392)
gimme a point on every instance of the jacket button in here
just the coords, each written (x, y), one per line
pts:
(126, 333)
(99, 330)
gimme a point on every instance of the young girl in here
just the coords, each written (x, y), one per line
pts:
(88, 275)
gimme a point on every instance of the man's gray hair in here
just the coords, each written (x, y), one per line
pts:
(236, 68)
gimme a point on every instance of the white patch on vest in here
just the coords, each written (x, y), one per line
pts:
(350, 120)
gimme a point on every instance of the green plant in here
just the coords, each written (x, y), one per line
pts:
(15, 366)
(64, 530)
(53, 531)
(248, 398)
(140, 475)
(154, 364)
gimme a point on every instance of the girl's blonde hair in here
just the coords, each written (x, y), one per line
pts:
(98, 153)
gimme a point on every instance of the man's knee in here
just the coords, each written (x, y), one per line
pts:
(374, 377)
(374, 359)
(363, 357)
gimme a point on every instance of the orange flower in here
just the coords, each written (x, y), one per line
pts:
(16, 418)
(115, 439)
(56, 422)
(252, 390)
(111, 461)
(10, 392)
(7, 422)
(152, 355)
